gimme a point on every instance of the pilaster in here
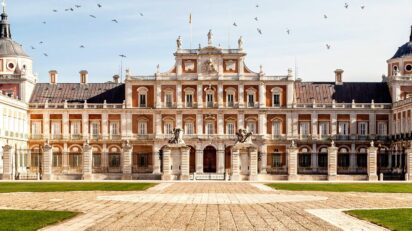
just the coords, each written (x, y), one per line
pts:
(185, 152)
(7, 162)
(253, 152)
(47, 162)
(292, 153)
(372, 164)
(127, 161)
(156, 159)
(264, 158)
(87, 161)
(408, 163)
(166, 164)
(332, 163)
(262, 95)
(199, 160)
(235, 165)
(220, 159)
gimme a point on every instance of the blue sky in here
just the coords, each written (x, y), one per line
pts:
(361, 40)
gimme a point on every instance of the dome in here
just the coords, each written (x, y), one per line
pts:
(9, 47)
(405, 50)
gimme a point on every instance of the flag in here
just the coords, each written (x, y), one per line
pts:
(190, 18)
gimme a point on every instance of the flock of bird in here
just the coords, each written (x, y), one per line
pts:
(288, 31)
(72, 9)
(235, 24)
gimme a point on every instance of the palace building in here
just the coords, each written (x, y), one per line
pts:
(298, 130)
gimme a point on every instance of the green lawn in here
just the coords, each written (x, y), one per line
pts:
(393, 219)
(71, 186)
(347, 187)
(22, 220)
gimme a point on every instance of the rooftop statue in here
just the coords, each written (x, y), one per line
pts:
(210, 38)
(240, 43)
(179, 42)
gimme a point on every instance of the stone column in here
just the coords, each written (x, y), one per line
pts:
(65, 160)
(127, 161)
(85, 125)
(199, 96)
(408, 163)
(158, 94)
(262, 124)
(179, 95)
(253, 153)
(332, 163)
(372, 163)
(166, 163)
(262, 95)
(220, 159)
(105, 125)
(47, 162)
(129, 96)
(179, 119)
(241, 120)
(46, 126)
(235, 165)
(199, 160)
(123, 124)
(292, 163)
(156, 159)
(87, 161)
(334, 124)
(315, 132)
(8, 162)
(185, 152)
(199, 124)
(264, 159)
(220, 95)
(158, 125)
(241, 95)
(65, 132)
(220, 124)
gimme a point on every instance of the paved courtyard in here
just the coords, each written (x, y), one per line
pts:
(207, 206)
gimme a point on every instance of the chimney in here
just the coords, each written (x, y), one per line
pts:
(53, 76)
(83, 77)
(116, 78)
(338, 77)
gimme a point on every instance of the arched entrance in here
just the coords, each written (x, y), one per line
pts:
(209, 159)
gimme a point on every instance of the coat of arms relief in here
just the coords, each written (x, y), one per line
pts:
(209, 67)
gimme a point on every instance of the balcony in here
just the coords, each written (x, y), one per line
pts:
(36, 137)
(95, 137)
(56, 137)
(115, 137)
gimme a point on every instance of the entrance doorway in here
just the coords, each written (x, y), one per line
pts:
(192, 160)
(209, 159)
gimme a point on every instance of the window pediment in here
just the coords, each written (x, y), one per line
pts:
(142, 90)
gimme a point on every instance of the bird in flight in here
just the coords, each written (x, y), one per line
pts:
(141, 14)
(44, 22)
(77, 6)
(346, 5)
(123, 56)
(32, 47)
(82, 46)
(234, 24)
(259, 30)
(325, 16)
(257, 5)
(288, 31)
(99, 5)
(45, 54)
(41, 42)
(92, 16)
(362, 7)
(54, 10)
(115, 21)
(328, 46)
(256, 19)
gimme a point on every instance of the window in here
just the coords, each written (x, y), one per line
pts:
(189, 100)
(230, 128)
(305, 158)
(75, 127)
(189, 128)
(276, 160)
(343, 128)
(230, 100)
(142, 100)
(57, 159)
(408, 67)
(363, 128)
(75, 160)
(114, 160)
(95, 128)
(304, 128)
(97, 160)
(251, 127)
(55, 128)
(276, 128)
(142, 128)
(36, 127)
(143, 160)
(382, 128)
(251, 99)
(276, 100)
(168, 127)
(323, 128)
(209, 128)
(169, 99)
(343, 160)
(114, 128)
(209, 98)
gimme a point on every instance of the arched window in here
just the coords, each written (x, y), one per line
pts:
(168, 97)
(142, 97)
(230, 97)
(189, 96)
(251, 97)
(277, 97)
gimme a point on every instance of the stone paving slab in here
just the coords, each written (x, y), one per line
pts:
(200, 206)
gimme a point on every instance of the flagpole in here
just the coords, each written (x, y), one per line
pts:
(191, 30)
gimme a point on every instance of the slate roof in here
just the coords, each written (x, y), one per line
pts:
(325, 92)
(405, 50)
(9, 47)
(78, 93)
